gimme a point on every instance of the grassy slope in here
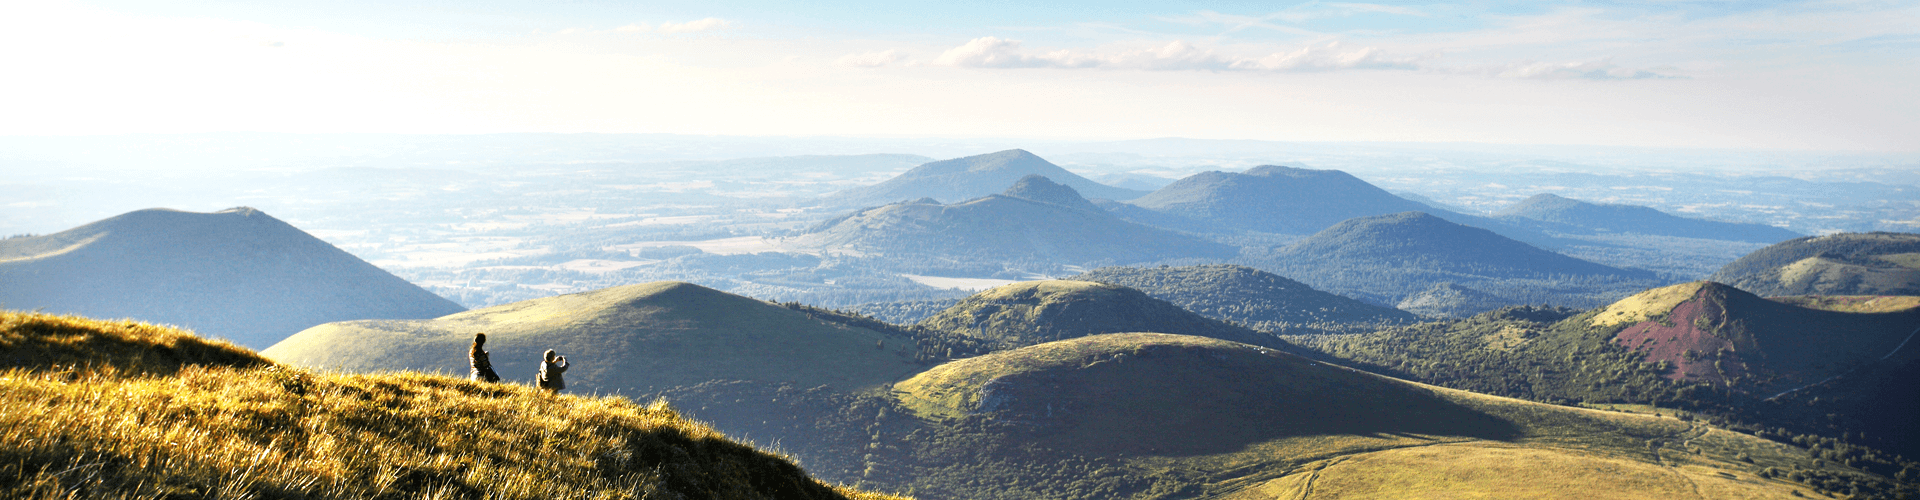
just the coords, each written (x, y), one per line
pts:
(1877, 263)
(1249, 296)
(1165, 429)
(210, 420)
(630, 339)
(1033, 312)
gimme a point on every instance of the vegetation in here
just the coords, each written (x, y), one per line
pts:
(1603, 356)
(1261, 300)
(1840, 264)
(1034, 312)
(629, 340)
(1152, 416)
(210, 420)
(1450, 300)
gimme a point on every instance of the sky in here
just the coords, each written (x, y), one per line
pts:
(1827, 76)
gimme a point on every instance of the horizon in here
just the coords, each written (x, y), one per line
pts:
(1818, 77)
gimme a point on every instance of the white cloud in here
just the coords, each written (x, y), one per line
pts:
(872, 59)
(708, 24)
(632, 28)
(1602, 69)
(993, 52)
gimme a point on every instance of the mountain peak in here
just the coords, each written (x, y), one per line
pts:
(1039, 188)
(966, 178)
(1275, 199)
(237, 273)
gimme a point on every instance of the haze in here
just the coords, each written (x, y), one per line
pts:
(1834, 76)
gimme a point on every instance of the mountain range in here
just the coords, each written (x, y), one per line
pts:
(1615, 218)
(238, 274)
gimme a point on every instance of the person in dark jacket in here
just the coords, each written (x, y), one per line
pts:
(477, 359)
(551, 366)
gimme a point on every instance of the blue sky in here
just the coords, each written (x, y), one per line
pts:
(1773, 75)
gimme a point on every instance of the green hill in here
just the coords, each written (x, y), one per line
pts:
(629, 339)
(159, 413)
(1449, 300)
(1033, 312)
(238, 274)
(1614, 218)
(972, 177)
(998, 228)
(1156, 416)
(1700, 333)
(1249, 296)
(1701, 346)
(1838, 264)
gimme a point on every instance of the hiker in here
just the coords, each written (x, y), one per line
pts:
(551, 366)
(478, 360)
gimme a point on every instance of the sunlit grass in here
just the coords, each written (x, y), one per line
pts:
(117, 427)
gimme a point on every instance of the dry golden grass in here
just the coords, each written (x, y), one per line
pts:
(90, 428)
(1645, 305)
(1495, 471)
(47, 341)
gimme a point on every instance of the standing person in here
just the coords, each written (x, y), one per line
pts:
(551, 366)
(482, 364)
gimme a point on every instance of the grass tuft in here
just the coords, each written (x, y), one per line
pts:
(214, 421)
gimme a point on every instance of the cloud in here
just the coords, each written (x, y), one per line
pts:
(872, 59)
(708, 24)
(1602, 69)
(993, 52)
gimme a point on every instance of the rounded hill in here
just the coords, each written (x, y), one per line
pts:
(973, 176)
(1419, 240)
(238, 274)
(1878, 263)
(630, 339)
(1180, 395)
(1033, 312)
(1275, 199)
(1249, 296)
